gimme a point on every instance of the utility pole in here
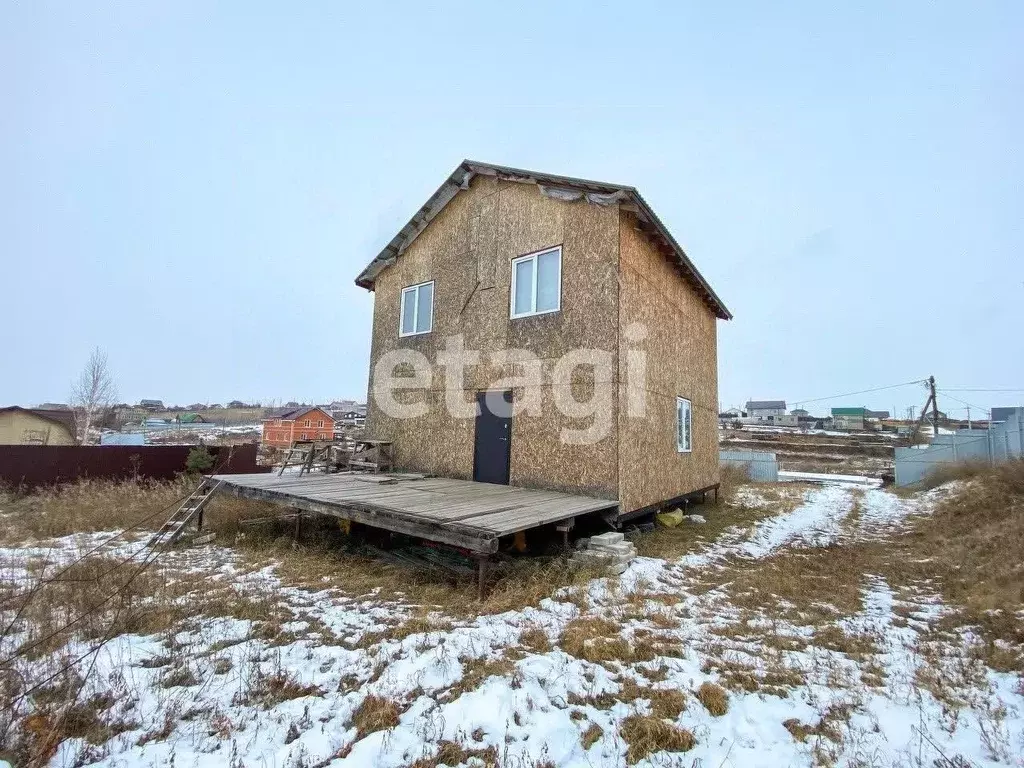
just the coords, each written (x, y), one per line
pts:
(969, 417)
(930, 383)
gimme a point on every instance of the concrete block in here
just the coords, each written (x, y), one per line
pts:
(622, 548)
(598, 557)
(607, 538)
(614, 567)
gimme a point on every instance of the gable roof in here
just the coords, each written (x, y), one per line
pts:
(295, 413)
(763, 405)
(561, 187)
(64, 418)
(859, 411)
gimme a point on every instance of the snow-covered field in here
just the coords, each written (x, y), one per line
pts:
(583, 678)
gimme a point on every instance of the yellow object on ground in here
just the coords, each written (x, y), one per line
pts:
(669, 519)
(345, 526)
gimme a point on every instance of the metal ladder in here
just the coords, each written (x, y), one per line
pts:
(189, 510)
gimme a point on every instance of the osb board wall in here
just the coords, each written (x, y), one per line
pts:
(682, 359)
(467, 251)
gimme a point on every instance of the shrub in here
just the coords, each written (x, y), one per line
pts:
(199, 460)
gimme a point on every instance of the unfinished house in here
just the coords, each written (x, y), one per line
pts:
(589, 386)
(513, 259)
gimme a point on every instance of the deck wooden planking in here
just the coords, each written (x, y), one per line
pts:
(459, 512)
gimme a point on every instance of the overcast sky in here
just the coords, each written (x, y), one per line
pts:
(194, 189)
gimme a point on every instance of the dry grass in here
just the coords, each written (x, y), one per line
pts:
(451, 753)
(808, 586)
(271, 689)
(598, 640)
(180, 676)
(730, 512)
(590, 736)
(858, 646)
(474, 672)
(515, 585)
(88, 505)
(646, 735)
(375, 714)
(536, 640)
(595, 700)
(665, 703)
(961, 470)
(60, 716)
(826, 735)
(595, 639)
(971, 548)
(714, 698)
(975, 545)
(730, 479)
(97, 597)
(772, 676)
(107, 505)
(416, 625)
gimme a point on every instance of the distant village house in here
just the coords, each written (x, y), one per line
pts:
(849, 418)
(767, 411)
(305, 423)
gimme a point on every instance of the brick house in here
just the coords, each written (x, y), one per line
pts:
(307, 423)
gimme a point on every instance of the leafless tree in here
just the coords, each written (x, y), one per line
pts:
(92, 394)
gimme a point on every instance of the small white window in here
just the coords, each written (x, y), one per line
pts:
(537, 283)
(303, 436)
(320, 424)
(417, 309)
(308, 422)
(683, 440)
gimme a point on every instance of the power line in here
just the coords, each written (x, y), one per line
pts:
(969, 405)
(995, 389)
(860, 392)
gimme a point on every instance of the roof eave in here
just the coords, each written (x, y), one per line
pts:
(459, 180)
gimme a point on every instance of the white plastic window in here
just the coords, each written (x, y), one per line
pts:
(683, 425)
(537, 283)
(417, 309)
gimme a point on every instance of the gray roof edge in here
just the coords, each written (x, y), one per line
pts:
(459, 179)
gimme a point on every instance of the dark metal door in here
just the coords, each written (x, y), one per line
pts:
(492, 448)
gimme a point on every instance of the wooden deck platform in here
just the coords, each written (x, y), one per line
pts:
(457, 512)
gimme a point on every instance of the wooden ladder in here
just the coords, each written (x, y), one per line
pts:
(306, 453)
(189, 510)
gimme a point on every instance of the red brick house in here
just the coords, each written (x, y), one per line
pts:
(305, 423)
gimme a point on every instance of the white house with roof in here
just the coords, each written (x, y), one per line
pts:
(765, 411)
